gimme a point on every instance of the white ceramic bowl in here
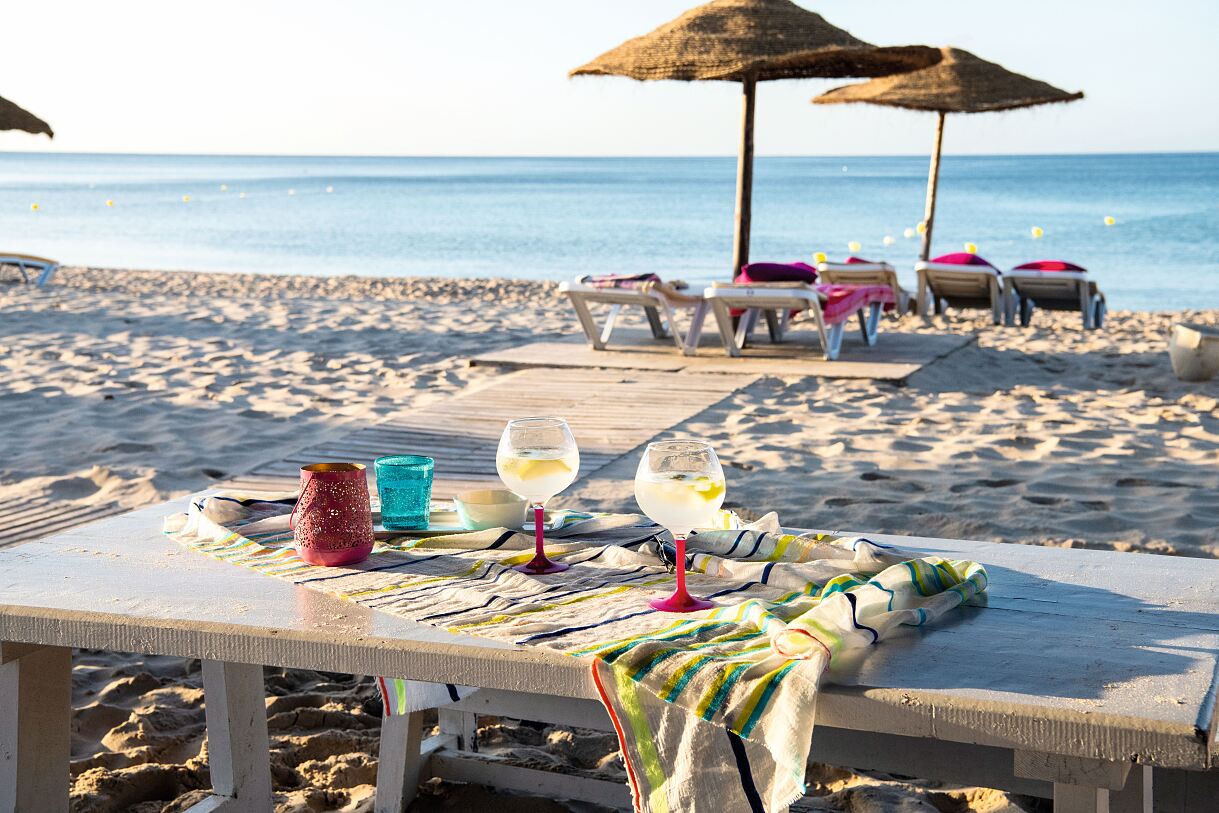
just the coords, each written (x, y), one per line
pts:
(490, 508)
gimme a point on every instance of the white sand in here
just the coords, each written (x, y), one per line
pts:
(134, 387)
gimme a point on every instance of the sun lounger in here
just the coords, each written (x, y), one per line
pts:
(658, 299)
(830, 306)
(861, 272)
(963, 703)
(959, 281)
(25, 263)
(1055, 286)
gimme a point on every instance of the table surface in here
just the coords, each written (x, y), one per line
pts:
(1085, 653)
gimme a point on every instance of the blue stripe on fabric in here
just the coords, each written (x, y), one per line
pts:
(748, 787)
(756, 544)
(771, 686)
(556, 633)
(855, 618)
(725, 687)
(369, 570)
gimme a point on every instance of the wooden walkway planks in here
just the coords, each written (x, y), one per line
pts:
(610, 412)
(895, 357)
(21, 521)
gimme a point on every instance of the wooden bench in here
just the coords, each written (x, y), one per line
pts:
(1088, 676)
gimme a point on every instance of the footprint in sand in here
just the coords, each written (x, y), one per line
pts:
(74, 488)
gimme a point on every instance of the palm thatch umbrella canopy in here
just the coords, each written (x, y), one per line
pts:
(751, 41)
(959, 83)
(13, 117)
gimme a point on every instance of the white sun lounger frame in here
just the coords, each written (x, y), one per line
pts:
(776, 301)
(868, 274)
(1127, 722)
(658, 308)
(1026, 289)
(958, 286)
(25, 263)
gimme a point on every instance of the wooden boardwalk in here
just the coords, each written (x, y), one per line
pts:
(895, 357)
(23, 520)
(610, 413)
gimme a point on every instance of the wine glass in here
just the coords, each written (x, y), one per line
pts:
(680, 485)
(538, 458)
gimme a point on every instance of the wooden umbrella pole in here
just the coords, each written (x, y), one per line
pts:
(933, 180)
(744, 178)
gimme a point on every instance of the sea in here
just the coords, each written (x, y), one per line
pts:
(1146, 226)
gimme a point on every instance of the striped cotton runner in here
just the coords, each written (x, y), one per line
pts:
(714, 710)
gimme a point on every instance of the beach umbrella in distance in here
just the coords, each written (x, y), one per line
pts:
(13, 117)
(751, 41)
(959, 83)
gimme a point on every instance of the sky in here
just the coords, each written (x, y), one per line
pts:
(488, 77)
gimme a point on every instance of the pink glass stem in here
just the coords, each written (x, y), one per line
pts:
(539, 564)
(681, 601)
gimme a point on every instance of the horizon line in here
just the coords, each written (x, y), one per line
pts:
(625, 156)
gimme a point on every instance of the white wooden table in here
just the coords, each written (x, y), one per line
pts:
(1089, 676)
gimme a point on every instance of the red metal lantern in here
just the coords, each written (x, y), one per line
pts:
(332, 520)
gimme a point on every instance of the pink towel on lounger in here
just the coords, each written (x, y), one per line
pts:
(618, 280)
(843, 300)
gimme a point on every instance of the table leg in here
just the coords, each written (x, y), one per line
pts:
(238, 749)
(400, 761)
(1080, 799)
(1084, 785)
(1178, 791)
(461, 724)
(1136, 797)
(35, 716)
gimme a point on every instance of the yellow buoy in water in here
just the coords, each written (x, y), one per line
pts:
(908, 233)
(110, 203)
(1037, 232)
(1110, 220)
(186, 198)
(921, 228)
(33, 207)
(819, 257)
(971, 248)
(853, 246)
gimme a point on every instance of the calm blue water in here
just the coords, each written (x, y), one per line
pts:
(552, 218)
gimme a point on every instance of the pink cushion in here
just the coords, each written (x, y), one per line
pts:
(858, 261)
(1050, 265)
(963, 258)
(778, 272)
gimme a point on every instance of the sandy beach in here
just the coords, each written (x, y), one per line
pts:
(132, 387)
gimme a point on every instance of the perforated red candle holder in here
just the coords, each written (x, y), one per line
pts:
(332, 520)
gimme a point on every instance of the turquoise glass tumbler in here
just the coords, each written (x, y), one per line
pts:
(404, 484)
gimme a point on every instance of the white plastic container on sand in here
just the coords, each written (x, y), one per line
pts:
(1194, 350)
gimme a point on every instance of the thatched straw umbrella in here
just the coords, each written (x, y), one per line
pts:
(959, 83)
(13, 117)
(751, 41)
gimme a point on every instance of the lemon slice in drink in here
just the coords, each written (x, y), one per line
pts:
(709, 489)
(532, 469)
